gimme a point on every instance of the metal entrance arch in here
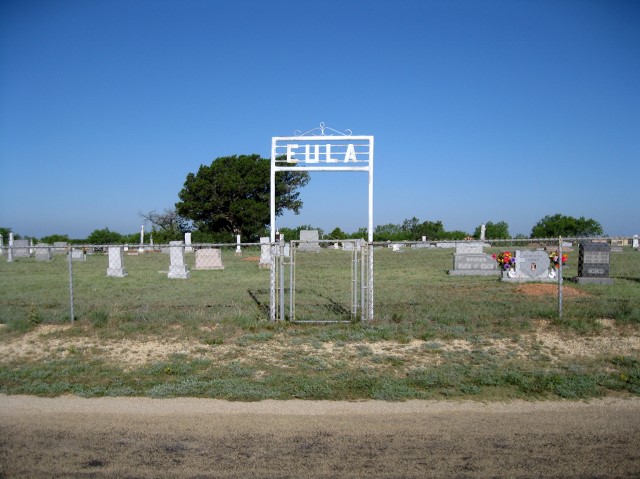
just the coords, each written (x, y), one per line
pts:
(316, 150)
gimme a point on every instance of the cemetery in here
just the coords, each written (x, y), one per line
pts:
(410, 281)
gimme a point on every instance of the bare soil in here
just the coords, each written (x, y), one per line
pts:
(47, 342)
(139, 437)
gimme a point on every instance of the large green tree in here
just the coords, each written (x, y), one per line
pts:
(567, 226)
(499, 230)
(232, 194)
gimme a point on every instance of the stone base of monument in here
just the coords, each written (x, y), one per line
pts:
(178, 272)
(117, 272)
(581, 280)
(522, 279)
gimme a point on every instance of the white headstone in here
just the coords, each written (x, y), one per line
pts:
(209, 258)
(177, 267)
(309, 241)
(60, 247)
(483, 231)
(1, 246)
(187, 243)
(265, 253)
(141, 248)
(78, 255)
(10, 250)
(43, 252)
(634, 242)
(21, 248)
(116, 267)
(238, 249)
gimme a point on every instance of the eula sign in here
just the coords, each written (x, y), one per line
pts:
(322, 149)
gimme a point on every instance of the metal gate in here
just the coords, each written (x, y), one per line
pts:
(320, 281)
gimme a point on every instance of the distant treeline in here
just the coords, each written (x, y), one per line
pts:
(551, 226)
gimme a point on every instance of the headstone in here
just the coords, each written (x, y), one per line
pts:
(177, 267)
(43, 252)
(470, 247)
(265, 253)
(634, 242)
(396, 248)
(309, 241)
(594, 263)
(187, 243)
(21, 248)
(141, 248)
(10, 249)
(78, 255)
(470, 264)
(116, 267)
(445, 245)
(616, 246)
(1, 246)
(238, 249)
(60, 247)
(530, 266)
(209, 258)
(483, 231)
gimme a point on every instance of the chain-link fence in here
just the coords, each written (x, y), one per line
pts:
(451, 282)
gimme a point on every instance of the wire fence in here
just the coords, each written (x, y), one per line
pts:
(450, 282)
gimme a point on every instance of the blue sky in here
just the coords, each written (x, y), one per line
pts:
(481, 110)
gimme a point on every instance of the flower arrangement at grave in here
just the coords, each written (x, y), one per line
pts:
(554, 257)
(505, 260)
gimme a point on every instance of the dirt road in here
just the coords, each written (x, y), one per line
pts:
(139, 437)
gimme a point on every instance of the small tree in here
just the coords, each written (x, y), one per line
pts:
(167, 226)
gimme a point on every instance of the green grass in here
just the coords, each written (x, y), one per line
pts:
(415, 300)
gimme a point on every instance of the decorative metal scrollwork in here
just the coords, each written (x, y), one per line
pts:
(322, 130)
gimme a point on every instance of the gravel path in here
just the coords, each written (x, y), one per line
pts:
(186, 437)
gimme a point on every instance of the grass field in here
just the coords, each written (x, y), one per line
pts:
(434, 335)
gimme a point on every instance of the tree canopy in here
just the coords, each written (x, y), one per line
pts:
(567, 226)
(499, 230)
(232, 195)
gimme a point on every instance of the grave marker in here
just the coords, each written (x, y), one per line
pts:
(177, 267)
(116, 267)
(78, 255)
(43, 252)
(21, 248)
(209, 258)
(309, 241)
(265, 253)
(594, 263)
(530, 266)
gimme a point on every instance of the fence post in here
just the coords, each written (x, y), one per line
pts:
(69, 255)
(560, 277)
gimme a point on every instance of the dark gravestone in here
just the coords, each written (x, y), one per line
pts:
(593, 263)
